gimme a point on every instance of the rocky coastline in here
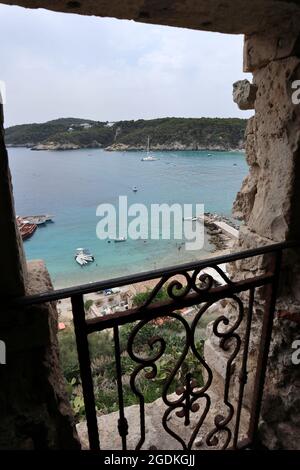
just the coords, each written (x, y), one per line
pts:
(120, 147)
(221, 230)
(62, 146)
(174, 146)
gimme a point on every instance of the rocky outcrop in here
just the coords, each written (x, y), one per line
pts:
(268, 203)
(244, 94)
(175, 146)
(55, 146)
(63, 146)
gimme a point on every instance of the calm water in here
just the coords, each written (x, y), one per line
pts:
(71, 184)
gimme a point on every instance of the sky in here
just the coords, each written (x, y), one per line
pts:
(64, 65)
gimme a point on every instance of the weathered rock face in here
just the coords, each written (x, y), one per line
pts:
(225, 16)
(269, 202)
(13, 258)
(176, 145)
(34, 408)
(244, 94)
(272, 142)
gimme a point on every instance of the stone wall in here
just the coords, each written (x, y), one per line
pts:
(268, 202)
(12, 257)
(34, 408)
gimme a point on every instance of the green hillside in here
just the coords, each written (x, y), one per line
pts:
(165, 133)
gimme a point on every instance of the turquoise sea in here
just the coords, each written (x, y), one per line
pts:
(71, 184)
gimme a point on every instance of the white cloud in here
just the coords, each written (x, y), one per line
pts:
(66, 65)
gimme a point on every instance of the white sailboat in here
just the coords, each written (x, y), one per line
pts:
(149, 157)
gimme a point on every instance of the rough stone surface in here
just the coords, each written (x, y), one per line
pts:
(225, 16)
(269, 203)
(155, 434)
(13, 283)
(244, 94)
(272, 143)
(261, 49)
(243, 204)
(34, 409)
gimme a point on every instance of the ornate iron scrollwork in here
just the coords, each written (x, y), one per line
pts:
(196, 281)
(190, 394)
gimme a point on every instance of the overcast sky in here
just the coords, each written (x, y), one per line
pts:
(63, 65)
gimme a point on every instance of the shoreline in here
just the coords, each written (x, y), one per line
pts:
(222, 235)
(124, 148)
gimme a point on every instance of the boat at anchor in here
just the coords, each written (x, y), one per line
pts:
(83, 256)
(148, 158)
(39, 219)
(26, 228)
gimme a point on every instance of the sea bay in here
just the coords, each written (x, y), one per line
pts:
(71, 184)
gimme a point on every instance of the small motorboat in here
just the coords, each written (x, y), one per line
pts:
(120, 239)
(83, 256)
(148, 159)
(134, 189)
(80, 260)
(209, 154)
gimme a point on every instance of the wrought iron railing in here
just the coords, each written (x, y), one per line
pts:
(193, 287)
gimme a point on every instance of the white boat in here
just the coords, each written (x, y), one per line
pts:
(38, 219)
(80, 260)
(83, 256)
(119, 239)
(149, 157)
(209, 154)
(190, 218)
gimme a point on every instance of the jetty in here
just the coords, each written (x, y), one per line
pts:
(38, 219)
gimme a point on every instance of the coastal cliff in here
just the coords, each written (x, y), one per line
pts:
(164, 134)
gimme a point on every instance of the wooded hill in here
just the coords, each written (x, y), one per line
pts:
(165, 133)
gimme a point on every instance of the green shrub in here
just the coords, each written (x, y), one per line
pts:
(104, 369)
(87, 304)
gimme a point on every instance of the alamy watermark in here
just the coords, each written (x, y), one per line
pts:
(160, 221)
(296, 353)
(296, 93)
(2, 352)
(2, 92)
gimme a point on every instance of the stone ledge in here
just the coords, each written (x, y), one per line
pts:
(30, 327)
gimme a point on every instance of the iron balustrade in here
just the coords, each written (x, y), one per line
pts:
(193, 288)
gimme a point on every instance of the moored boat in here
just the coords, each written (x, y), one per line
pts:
(26, 228)
(83, 256)
(119, 239)
(38, 219)
(148, 158)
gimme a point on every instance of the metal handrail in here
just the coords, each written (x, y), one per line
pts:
(198, 289)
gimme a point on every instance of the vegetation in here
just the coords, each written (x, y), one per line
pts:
(192, 133)
(203, 131)
(88, 304)
(104, 369)
(140, 298)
